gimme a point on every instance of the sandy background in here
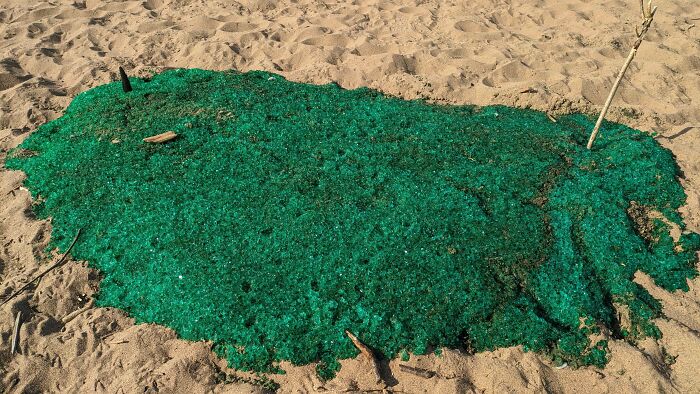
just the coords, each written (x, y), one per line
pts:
(553, 55)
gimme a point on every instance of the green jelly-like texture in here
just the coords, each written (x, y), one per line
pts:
(285, 213)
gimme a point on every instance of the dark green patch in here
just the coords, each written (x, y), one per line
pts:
(286, 213)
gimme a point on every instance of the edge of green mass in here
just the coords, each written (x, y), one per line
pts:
(643, 307)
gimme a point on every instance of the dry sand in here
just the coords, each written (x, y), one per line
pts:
(554, 55)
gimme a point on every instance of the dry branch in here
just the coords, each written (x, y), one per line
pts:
(364, 349)
(648, 15)
(15, 333)
(60, 261)
(423, 373)
(367, 352)
(160, 138)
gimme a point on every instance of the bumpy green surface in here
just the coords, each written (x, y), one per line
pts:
(286, 213)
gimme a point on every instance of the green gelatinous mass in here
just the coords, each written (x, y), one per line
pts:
(284, 214)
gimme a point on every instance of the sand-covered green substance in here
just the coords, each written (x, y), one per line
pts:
(286, 213)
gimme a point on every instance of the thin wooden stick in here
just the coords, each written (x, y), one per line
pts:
(15, 333)
(160, 138)
(648, 15)
(364, 349)
(423, 373)
(60, 261)
(367, 352)
(77, 312)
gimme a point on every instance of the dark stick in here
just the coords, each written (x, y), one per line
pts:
(423, 373)
(60, 261)
(126, 85)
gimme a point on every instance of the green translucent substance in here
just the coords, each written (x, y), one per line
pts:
(286, 213)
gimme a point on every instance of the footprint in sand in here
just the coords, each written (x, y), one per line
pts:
(43, 13)
(414, 11)
(336, 40)
(470, 27)
(11, 74)
(513, 71)
(8, 80)
(237, 27)
(368, 49)
(53, 38)
(458, 53)
(35, 29)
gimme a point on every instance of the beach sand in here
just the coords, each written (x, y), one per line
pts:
(553, 55)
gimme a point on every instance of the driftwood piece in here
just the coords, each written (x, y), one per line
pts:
(367, 353)
(15, 333)
(160, 138)
(423, 373)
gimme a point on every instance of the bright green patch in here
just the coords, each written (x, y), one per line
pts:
(286, 213)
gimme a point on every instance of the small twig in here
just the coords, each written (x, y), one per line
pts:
(116, 343)
(60, 261)
(648, 15)
(367, 352)
(364, 349)
(15, 333)
(69, 317)
(108, 335)
(160, 138)
(423, 373)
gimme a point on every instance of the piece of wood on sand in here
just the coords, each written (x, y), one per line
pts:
(15, 333)
(367, 353)
(648, 13)
(160, 138)
(423, 373)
